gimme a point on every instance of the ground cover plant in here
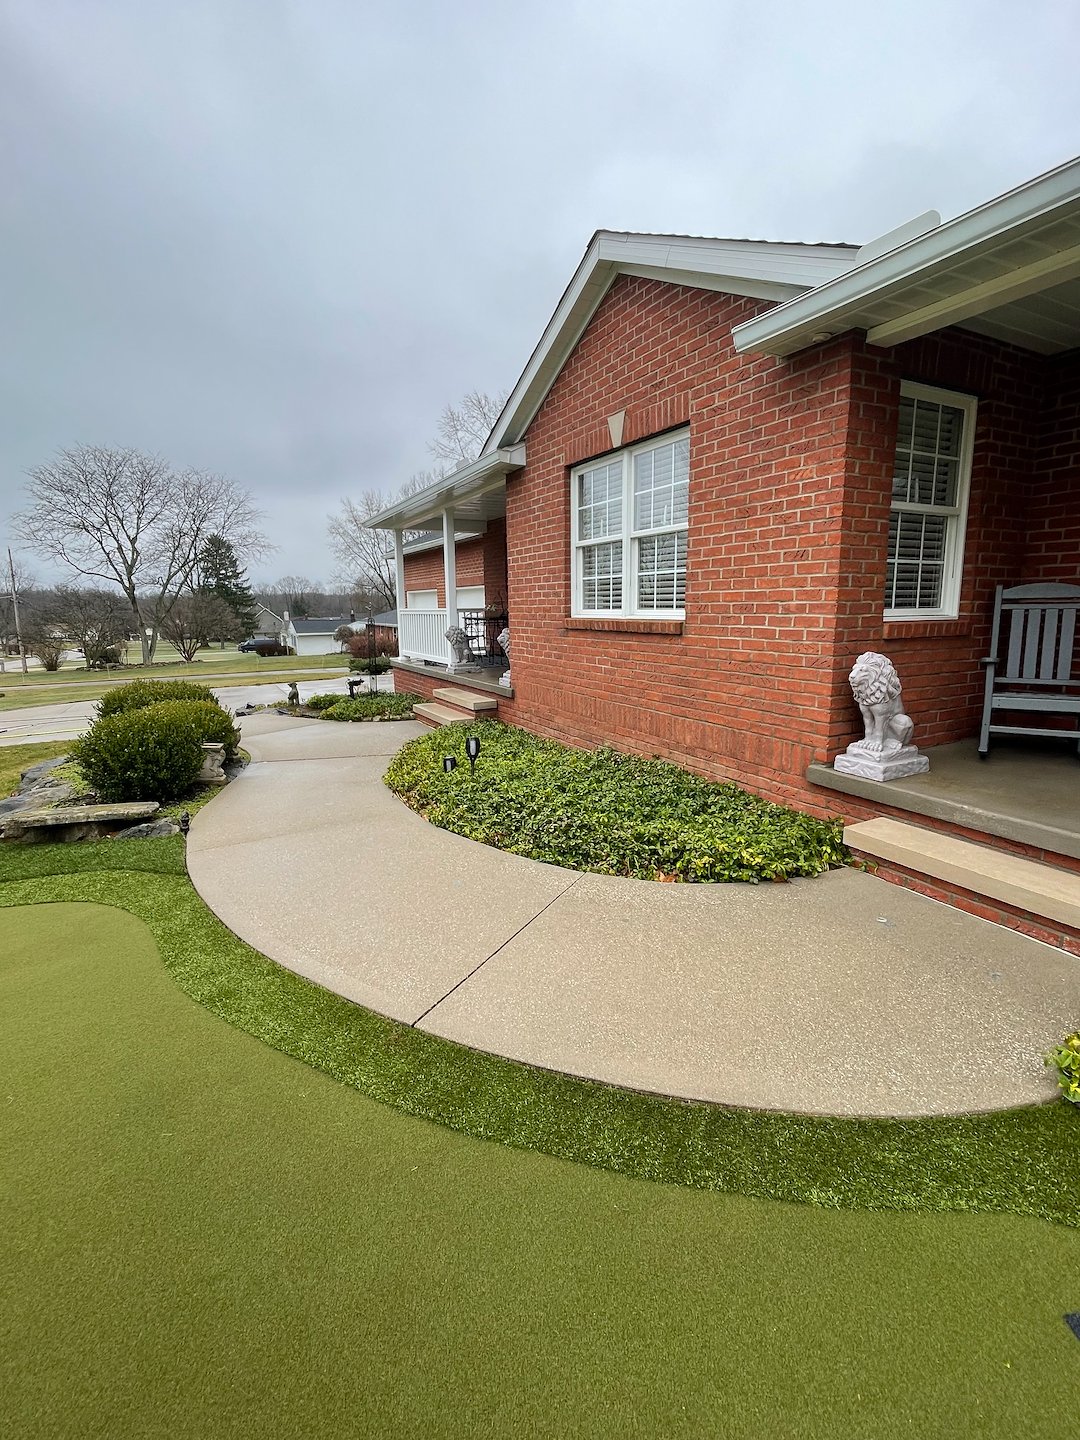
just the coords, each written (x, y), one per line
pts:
(207, 1238)
(391, 706)
(607, 812)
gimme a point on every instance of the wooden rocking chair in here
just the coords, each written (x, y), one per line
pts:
(1040, 672)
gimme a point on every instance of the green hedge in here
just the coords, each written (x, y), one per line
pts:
(392, 706)
(137, 694)
(606, 812)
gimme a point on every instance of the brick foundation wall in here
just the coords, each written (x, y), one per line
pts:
(1050, 933)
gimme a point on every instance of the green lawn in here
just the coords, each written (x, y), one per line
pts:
(208, 1238)
(14, 759)
(65, 687)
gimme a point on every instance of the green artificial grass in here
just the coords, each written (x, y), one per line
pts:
(603, 811)
(207, 1239)
(1024, 1161)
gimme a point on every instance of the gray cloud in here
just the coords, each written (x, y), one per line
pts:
(274, 239)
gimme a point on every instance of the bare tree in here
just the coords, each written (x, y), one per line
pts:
(464, 428)
(24, 584)
(366, 557)
(192, 620)
(130, 520)
(95, 620)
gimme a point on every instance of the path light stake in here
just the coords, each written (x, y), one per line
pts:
(472, 749)
(449, 763)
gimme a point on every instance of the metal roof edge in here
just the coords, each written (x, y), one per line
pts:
(1020, 206)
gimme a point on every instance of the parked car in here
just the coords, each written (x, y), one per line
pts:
(263, 647)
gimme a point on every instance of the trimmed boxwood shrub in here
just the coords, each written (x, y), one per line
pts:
(607, 812)
(146, 754)
(207, 720)
(153, 753)
(137, 694)
(323, 702)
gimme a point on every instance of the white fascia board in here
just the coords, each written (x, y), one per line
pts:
(761, 269)
(790, 326)
(479, 476)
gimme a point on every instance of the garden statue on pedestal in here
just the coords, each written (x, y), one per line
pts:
(503, 641)
(885, 752)
(464, 659)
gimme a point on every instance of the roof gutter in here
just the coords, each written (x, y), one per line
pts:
(468, 480)
(799, 322)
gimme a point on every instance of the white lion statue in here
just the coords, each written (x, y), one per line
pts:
(459, 644)
(503, 641)
(876, 687)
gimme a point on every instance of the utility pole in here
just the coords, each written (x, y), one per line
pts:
(15, 603)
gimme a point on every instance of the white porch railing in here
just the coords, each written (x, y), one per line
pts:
(422, 635)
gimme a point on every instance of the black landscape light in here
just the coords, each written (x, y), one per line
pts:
(449, 763)
(472, 750)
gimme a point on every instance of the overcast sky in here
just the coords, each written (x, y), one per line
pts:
(273, 238)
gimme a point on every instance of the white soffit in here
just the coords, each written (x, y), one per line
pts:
(990, 270)
(764, 269)
(476, 493)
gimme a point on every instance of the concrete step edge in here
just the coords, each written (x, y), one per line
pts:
(1044, 890)
(467, 699)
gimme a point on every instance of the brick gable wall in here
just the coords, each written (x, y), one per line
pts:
(746, 689)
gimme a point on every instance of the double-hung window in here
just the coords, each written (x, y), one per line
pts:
(931, 476)
(628, 531)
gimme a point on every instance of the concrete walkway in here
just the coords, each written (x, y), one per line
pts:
(840, 995)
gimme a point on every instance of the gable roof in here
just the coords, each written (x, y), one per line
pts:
(767, 269)
(320, 625)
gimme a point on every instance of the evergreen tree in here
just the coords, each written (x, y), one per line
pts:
(221, 574)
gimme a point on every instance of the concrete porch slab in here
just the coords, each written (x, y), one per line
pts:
(1027, 793)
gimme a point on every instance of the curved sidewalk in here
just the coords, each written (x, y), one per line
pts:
(841, 995)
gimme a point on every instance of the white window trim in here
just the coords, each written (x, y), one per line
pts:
(956, 530)
(627, 536)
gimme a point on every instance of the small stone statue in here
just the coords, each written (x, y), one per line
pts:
(294, 694)
(213, 765)
(503, 642)
(464, 659)
(885, 752)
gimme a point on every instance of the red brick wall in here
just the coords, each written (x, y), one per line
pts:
(1053, 522)
(746, 690)
(938, 661)
(791, 464)
(424, 571)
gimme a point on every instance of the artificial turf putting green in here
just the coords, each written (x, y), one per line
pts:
(205, 1238)
(1024, 1161)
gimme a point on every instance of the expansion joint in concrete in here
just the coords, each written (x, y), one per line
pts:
(498, 950)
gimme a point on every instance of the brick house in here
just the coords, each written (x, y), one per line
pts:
(729, 467)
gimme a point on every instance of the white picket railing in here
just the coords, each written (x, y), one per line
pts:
(422, 635)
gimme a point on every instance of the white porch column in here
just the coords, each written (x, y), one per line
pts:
(449, 550)
(399, 576)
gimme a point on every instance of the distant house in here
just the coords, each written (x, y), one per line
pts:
(267, 625)
(316, 636)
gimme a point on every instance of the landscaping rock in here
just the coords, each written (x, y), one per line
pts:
(35, 772)
(151, 830)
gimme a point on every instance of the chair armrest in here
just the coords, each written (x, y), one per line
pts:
(989, 660)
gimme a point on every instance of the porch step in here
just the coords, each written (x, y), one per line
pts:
(1042, 890)
(433, 714)
(471, 700)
